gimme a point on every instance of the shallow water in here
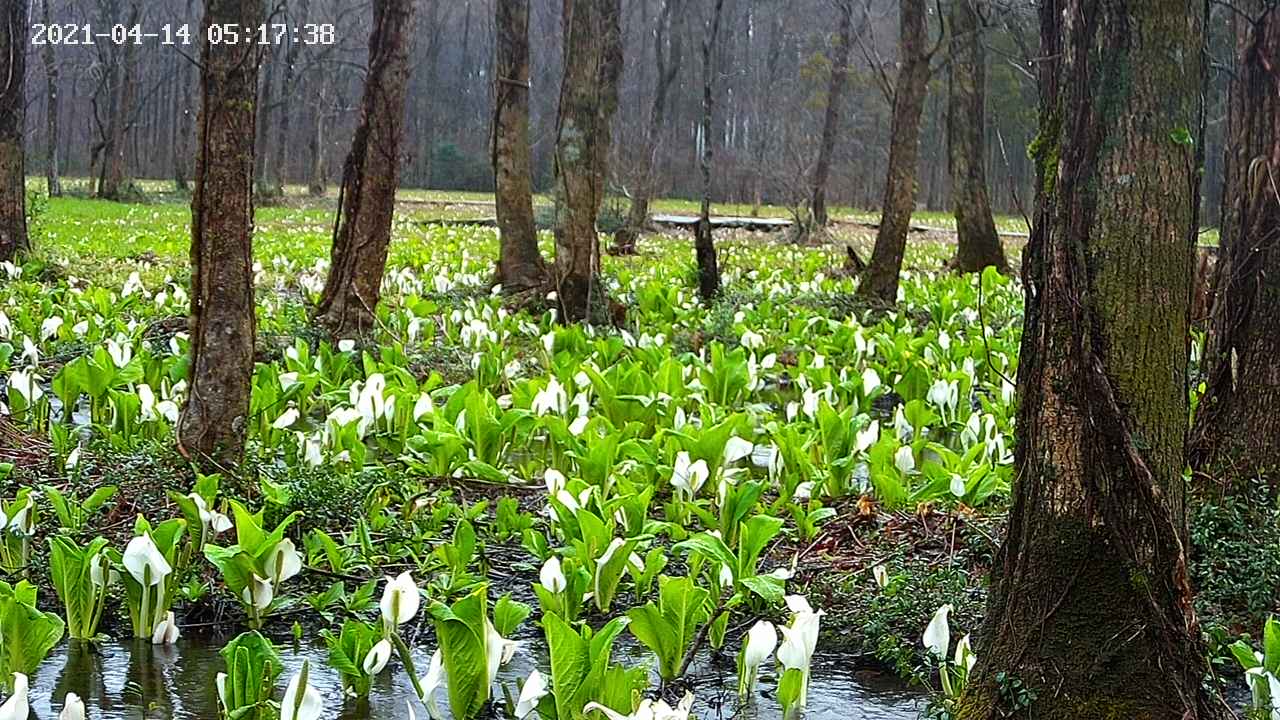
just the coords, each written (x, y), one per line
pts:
(121, 681)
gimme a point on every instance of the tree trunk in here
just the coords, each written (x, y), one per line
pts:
(182, 132)
(1237, 430)
(1091, 608)
(13, 73)
(520, 264)
(211, 429)
(369, 179)
(704, 244)
(978, 243)
(285, 141)
(317, 182)
(53, 179)
(115, 166)
(266, 110)
(880, 281)
(667, 58)
(588, 101)
(831, 121)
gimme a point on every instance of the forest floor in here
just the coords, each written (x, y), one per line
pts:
(939, 549)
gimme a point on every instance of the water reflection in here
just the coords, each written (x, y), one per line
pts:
(124, 681)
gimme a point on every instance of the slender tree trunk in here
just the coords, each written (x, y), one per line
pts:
(520, 264)
(182, 131)
(266, 111)
(831, 121)
(369, 179)
(284, 140)
(115, 164)
(704, 244)
(1091, 609)
(978, 244)
(588, 101)
(1237, 429)
(211, 429)
(53, 179)
(317, 182)
(13, 183)
(668, 59)
(880, 281)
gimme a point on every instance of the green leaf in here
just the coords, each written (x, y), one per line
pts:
(460, 631)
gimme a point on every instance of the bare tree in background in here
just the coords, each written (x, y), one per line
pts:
(53, 182)
(588, 101)
(880, 279)
(123, 89)
(831, 120)
(520, 263)
(369, 179)
(1237, 430)
(13, 176)
(978, 244)
(704, 244)
(668, 53)
(211, 429)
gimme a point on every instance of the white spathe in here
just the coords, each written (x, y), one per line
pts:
(400, 599)
(937, 636)
(17, 707)
(144, 561)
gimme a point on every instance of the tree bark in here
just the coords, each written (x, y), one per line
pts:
(182, 132)
(13, 175)
(53, 179)
(668, 57)
(704, 244)
(880, 281)
(284, 140)
(520, 264)
(369, 179)
(978, 243)
(1091, 608)
(588, 101)
(266, 111)
(831, 121)
(211, 429)
(1236, 435)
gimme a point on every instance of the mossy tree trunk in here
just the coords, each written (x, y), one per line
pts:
(370, 175)
(13, 73)
(703, 242)
(588, 102)
(668, 57)
(880, 279)
(1237, 429)
(831, 119)
(211, 429)
(978, 244)
(1090, 606)
(520, 264)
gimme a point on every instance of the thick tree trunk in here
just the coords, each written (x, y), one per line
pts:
(588, 101)
(115, 165)
(704, 244)
(13, 73)
(978, 243)
(831, 121)
(53, 178)
(211, 429)
(1237, 429)
(520, 264)
(369, 179)
(1091, 608)
(880, 281)
(667, 59)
